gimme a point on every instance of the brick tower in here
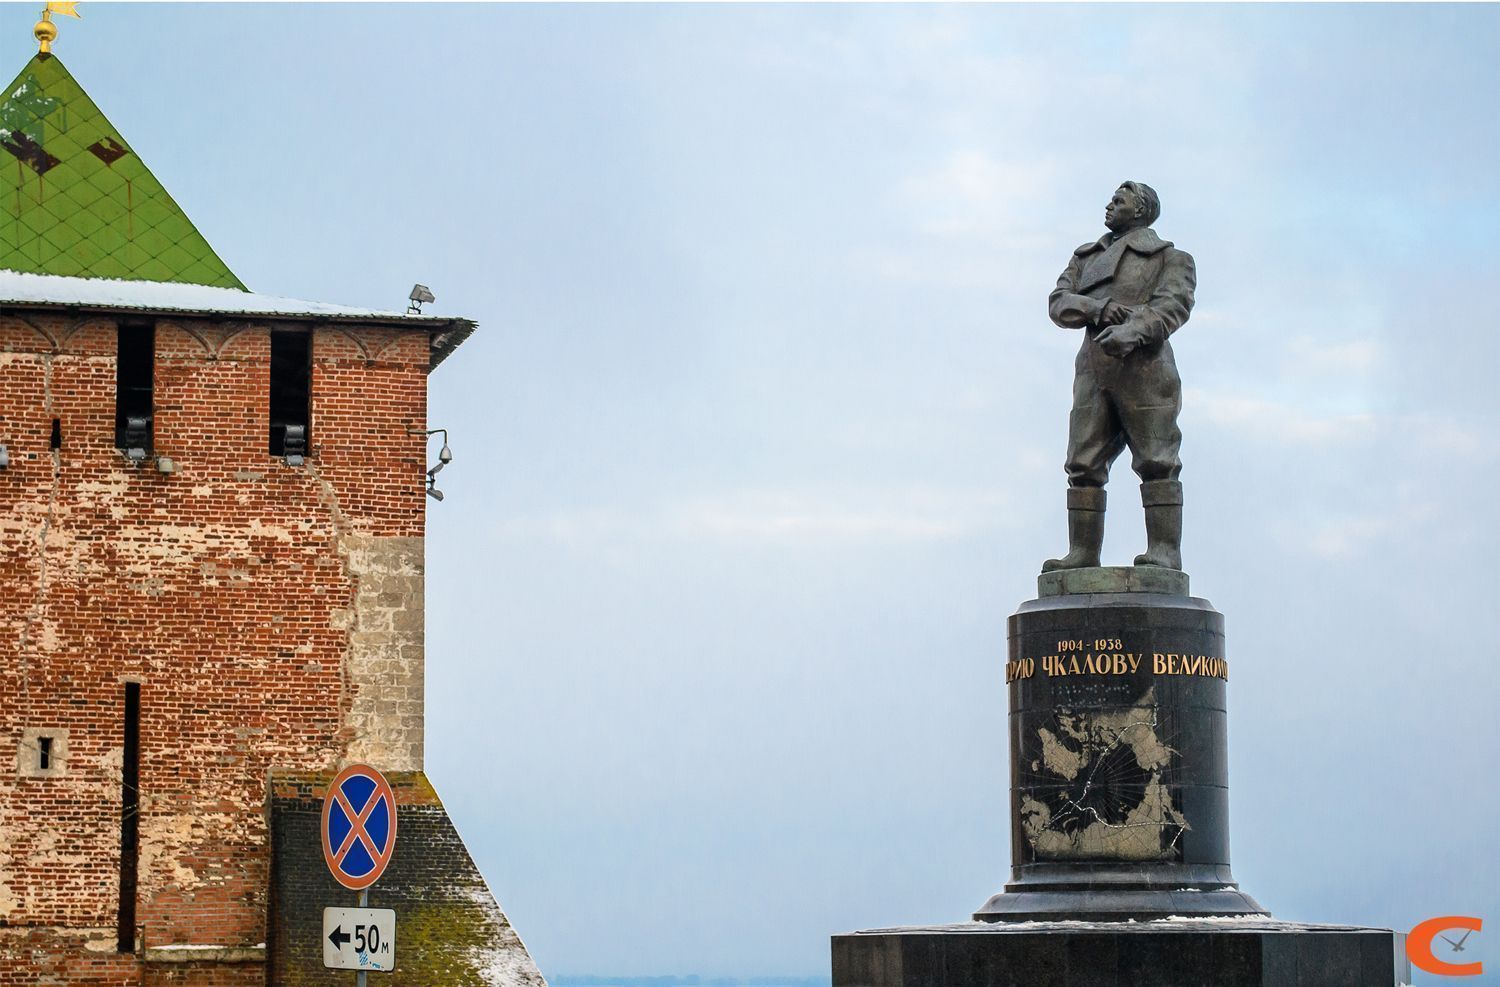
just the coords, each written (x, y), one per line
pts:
(211, 568)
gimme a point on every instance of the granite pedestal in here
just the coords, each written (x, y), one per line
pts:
(1119, 767)
(1241, 952)
(1119, 752)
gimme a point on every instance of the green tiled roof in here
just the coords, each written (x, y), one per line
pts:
(76, 200)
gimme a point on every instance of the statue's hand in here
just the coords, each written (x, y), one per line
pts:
(1119, 341)
(1113, 313)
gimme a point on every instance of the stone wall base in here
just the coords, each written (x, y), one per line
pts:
(449, 928)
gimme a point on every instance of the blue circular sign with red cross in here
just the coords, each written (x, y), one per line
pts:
(359, 826)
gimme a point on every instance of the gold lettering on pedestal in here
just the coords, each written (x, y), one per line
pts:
(1078, 658)
(1175, 664)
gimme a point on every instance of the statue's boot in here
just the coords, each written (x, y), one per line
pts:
(1085, 530)
(1163, 502)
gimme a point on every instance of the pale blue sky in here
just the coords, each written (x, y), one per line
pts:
(760, 439)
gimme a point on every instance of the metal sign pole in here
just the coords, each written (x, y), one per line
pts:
(364, 902)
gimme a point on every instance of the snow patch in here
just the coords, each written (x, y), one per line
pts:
(185, 946)
(162, 296)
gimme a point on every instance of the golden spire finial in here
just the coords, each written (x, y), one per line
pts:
(45, 31)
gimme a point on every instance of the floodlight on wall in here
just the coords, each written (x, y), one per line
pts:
(4, 458)
(165, 465)
(294, 446)
(420, 295)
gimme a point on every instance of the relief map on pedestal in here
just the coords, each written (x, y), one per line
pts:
(1097, 787)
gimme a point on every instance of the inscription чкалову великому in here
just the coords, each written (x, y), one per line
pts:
(1077, 658)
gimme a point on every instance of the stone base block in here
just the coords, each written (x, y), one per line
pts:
(1238, 952)
(1113, 579)
(1107, 904)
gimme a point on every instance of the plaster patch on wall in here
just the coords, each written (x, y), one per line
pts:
(385, 662)
(47, 637)
(168, 840)
(9, 900)
(258, 529)
(29, 753)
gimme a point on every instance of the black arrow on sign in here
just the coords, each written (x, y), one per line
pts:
(338, 937)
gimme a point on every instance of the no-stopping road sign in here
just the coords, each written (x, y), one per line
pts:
(359, 826)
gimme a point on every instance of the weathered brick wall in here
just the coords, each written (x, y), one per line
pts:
(265, 610)
(49, 957)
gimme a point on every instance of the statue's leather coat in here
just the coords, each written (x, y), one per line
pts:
(1132, 399)
(1139, 270)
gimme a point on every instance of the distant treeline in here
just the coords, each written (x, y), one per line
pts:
(692, 980)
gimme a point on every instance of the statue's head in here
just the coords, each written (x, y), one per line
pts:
(1133, 205)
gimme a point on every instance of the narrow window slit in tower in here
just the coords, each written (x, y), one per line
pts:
(134, 370)
(44, 753)
(291, 393)
(56, 441)
(130, 803)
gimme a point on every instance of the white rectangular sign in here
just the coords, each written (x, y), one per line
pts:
(359, 939)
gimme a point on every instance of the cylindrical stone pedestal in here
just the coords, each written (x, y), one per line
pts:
(1119, 810)
(1118, 752)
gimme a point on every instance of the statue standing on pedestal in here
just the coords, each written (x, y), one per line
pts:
(1128, 291)
(1117, 685)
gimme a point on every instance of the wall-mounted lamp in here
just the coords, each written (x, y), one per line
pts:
(165, 465)
(137, 438)
(294, 446)
(445, 456)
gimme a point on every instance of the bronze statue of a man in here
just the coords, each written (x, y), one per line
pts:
(1128, 291)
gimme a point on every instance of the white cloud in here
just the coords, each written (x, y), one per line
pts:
(917, 513)
(1344, 538)
(1278, 421)
(1294, 423)
(570, 528)
(973, 191)
(1336, 360)
(914, 514)
(719, 520)
(1448, 436)
(978, 220)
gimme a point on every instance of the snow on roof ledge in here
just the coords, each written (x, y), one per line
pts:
(19, 288)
